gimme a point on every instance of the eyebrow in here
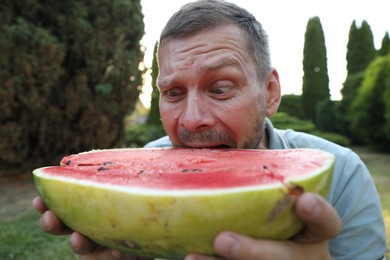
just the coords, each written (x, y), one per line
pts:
(225, 62)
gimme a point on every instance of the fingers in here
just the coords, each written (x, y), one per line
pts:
(321, 219)
(321, 223)
(88, 249)
(39, 205)
(80, 244)
(49, 222)
(233, 246)
(230, 245)
(52, 225)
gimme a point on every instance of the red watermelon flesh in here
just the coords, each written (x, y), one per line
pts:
(181, 169)
(168, 202)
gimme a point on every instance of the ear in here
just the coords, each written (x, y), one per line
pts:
(273, 92)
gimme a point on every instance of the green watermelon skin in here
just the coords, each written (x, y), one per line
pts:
(170, 223)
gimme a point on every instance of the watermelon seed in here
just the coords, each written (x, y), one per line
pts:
(102, 169)
(185, 170)
(108, 163)
(68, 162)
(197, 170)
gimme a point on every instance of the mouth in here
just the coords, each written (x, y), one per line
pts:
(206, 146)
(221, 146)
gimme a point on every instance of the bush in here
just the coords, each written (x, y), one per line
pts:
(370, 111)
(68, 77)
(292, 105)
(137, 135)
(284, 121)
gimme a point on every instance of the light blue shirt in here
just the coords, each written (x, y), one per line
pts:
(352, 193)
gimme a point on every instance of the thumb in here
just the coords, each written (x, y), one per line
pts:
(321, 219)
(234, 246)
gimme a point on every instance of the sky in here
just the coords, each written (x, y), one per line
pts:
(285, 22)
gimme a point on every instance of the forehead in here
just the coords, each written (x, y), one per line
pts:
(210, 49)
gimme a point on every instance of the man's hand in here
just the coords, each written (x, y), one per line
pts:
(79, 244)
(322, 223)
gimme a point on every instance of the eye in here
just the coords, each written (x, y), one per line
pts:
(173, 94)
(222, 92)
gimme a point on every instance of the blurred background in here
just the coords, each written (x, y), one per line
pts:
(80, 75)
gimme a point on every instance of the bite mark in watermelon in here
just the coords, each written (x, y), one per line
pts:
(167, 202)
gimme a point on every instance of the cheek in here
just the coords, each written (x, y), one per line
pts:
(169, 119)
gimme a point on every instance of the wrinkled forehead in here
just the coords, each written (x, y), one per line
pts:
(215, 35)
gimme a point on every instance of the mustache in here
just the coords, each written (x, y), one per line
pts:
(206, 136)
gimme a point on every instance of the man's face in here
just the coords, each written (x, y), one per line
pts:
(210, 93)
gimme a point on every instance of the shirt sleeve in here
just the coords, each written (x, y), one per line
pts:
(354, 196)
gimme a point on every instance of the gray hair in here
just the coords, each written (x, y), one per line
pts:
(207, 14)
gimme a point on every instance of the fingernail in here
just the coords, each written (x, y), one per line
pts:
(312, 207)
(228, 245)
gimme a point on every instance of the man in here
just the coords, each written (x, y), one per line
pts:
(217, 88)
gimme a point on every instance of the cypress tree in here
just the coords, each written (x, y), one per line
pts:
(385, 47)
(360, 52)
(154, 112)
(315, 86)
(69, 74)
(360, 48)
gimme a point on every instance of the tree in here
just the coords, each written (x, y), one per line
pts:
(315, 86)
(370, 111)
(360, 52)
(360, 48)
(292, 105)
(325, 115)
(385, 47)
(349, 93)
(68, 76)
(154, 113)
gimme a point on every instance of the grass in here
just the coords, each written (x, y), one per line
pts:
(22, 238)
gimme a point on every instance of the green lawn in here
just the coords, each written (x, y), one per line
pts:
(21, 238)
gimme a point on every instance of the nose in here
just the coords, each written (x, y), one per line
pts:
(197, 114)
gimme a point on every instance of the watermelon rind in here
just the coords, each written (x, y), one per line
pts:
(172, 223)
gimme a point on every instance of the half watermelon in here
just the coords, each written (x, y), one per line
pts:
(167, 202)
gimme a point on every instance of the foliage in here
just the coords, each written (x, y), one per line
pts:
(333, 137)
(360, 48)
(292, 105)
(68, 76)
(283, 120)
(315, 87)
(326, 116)
(138, 135)
(370, 111)
(154, 113)
(349, 93)
(385, 47)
